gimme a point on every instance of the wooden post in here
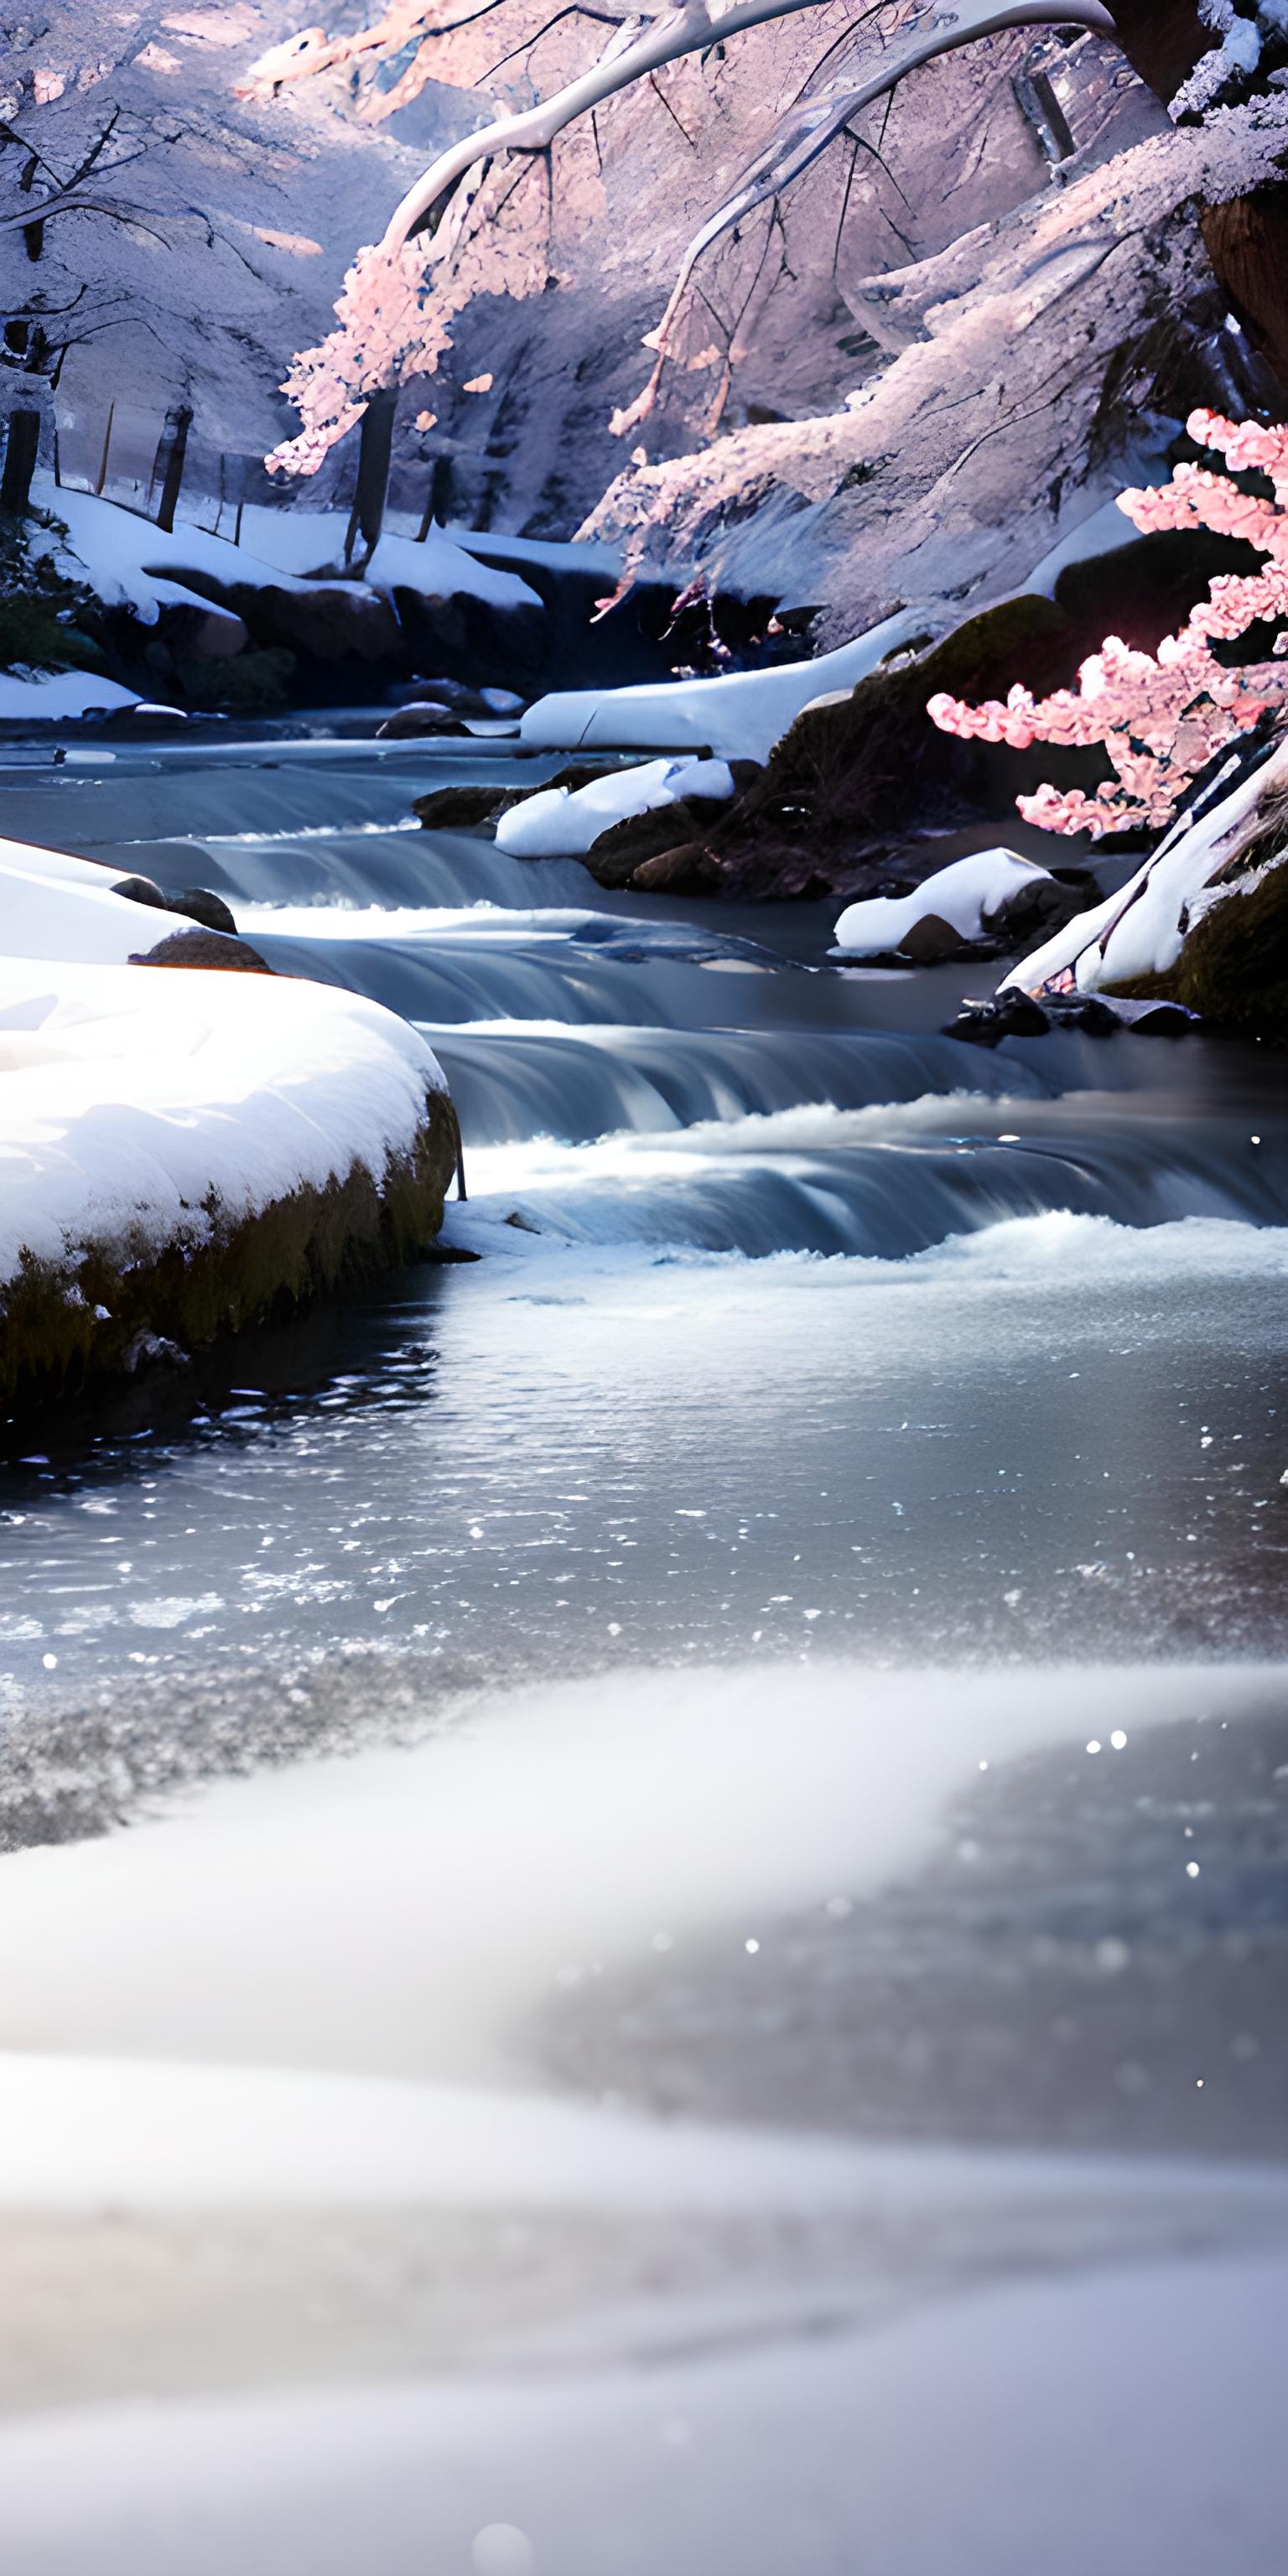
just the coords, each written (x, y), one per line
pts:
(101, 483)
(178, 424)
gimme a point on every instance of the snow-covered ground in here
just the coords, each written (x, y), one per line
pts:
(1128, 2423)
(557, 824)
(963, 895)
(342, 2044)
(128, 558)
(129, 561)
(738, 716)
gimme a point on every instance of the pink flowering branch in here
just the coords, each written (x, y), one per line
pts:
(1161, 716)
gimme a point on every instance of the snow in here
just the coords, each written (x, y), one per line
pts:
(1122, 2423)
(129, 559)
(961, 895)
(1141, 929)
(557, 823)
(676, 1799)
(739, 716)
(53, 905)
(40, 697)
(344, 2040)
(128, 1094)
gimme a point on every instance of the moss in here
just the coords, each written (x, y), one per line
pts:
(65, 1325)
(41, 610)
(246, 684)
(1233, 967)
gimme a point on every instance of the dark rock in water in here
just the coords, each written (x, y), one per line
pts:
(932, 941)
(1040, 905)
(617, 855)
(144, 717)
(687, 869)
(199, 904)
(1083, 1011)
(1162, 1020)
(142, 890)
(195, 903)
(454, 694)
(418, 719)
(208, 948)
(1012, 1015)
(459, 809)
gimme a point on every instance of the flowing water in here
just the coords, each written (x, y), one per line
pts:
(709, 1777)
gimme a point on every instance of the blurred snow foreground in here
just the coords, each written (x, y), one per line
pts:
(178, 1150)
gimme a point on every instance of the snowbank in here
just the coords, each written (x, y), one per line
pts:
(963, 895)
(557, 824)
(740, 716)
(129, 560)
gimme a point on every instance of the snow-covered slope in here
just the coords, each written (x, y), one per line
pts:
(1142, 929)
(127, 558)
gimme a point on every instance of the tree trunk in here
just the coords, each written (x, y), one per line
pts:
(1246, 240)
(375, 451)
(438, 498)
(174, 448)
(21, 450)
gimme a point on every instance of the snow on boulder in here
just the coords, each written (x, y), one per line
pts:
(53, 905)
(180, 1151)
(739, 716)
(969, 897)
(559, 823)
(1194, 896)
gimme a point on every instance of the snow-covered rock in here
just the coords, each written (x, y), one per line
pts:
(738, 716)
(969, 895)
(560, 823)
(146, 1114)
(1143, 929)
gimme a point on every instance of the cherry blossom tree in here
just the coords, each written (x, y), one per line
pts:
(456, 233)
(1161, 716)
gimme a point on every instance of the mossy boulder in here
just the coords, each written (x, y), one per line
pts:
(68, 1325)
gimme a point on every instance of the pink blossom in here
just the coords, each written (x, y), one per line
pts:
(1161, 716)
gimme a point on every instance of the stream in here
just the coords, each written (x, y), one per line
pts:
(647, 1871)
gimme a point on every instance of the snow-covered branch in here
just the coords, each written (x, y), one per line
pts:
(394, 315)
